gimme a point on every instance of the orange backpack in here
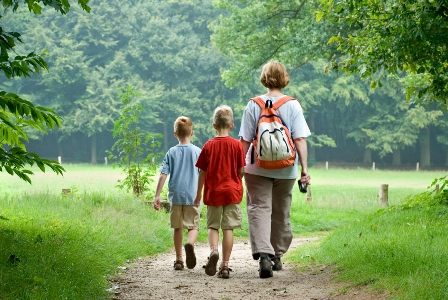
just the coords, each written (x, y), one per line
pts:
(273, 147)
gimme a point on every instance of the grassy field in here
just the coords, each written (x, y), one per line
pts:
(56, 246)
(401, 249)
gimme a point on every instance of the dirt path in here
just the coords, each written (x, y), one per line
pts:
(154, 278)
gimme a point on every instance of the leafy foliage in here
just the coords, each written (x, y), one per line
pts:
(403, 35)
(130, 145)
(94, 54)
(390, 124)
(16, 114)
(164, 50)
(254, 32)
(437, 194)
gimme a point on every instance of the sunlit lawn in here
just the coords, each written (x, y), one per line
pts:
(333, 187)
(83, 177)
(86, 235)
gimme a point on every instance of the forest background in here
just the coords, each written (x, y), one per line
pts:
(164, 49)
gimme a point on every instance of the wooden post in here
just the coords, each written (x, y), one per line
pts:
(308, 194)
(437, 188)
(383, 195)
(417, 167)
(59, 160)
(373, 166)
(105, 160)
(326, 165)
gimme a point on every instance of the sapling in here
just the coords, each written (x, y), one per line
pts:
(135, 149)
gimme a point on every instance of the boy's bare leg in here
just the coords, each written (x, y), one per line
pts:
(192, 236)
(227, 246)
(177, 237)
(213, 238)
(190, 257)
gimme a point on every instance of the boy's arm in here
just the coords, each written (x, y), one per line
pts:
(246, 146)
(201, 180)
(160, 183)
(241, 172)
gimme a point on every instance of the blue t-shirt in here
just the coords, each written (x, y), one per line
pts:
(179, 162)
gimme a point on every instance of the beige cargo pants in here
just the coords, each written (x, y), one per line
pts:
(268, 204)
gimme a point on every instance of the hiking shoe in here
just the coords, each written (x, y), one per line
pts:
(224, 272)
(265, 266)
(277, 264)
(178, 265)
(191, 257)
(210, 267)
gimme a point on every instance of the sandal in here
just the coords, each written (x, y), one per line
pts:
(191, 257)
(178, 265)
(210, 267)
(224, 272)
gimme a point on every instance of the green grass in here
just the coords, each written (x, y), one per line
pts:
(83, 177)
(65, 247)
(402, 249)
(341, 195)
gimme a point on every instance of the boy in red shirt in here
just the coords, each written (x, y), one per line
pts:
(221, 165)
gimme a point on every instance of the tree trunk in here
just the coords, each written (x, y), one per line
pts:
(446, 164)
(396, 157)
(425, 148)
(367, 153)
(165, 136)
(59, 148)
(93, 148)
(311, 149)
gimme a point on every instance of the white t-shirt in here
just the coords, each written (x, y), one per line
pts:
(292, 115)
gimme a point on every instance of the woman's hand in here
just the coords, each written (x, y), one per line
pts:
(305, 177)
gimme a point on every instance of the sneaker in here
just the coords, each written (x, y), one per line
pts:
(178, 265)
(190, 256)
(277, 264)
(224, 272)
(265, 266)
(210, 267)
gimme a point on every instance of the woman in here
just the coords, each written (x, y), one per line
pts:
(269, 191)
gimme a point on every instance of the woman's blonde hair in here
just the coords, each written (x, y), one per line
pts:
(183, 127)
(274, 75)
(223, 117)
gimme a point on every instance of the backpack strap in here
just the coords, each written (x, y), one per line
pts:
(282, 101)
(268, 103)
(259, 101)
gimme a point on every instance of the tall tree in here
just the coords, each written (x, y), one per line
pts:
(253, 32)
(16, 113)
(399, 35)
(389, 124)
(163, 49)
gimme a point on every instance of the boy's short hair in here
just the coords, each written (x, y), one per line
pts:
(223, 117)
(274, 75)
(183, 126)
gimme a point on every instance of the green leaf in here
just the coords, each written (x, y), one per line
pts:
(319, 15)
(9, 170)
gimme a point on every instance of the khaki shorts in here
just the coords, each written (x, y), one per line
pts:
(184, 216)
(224, 217)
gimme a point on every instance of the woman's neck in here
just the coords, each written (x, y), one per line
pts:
(274, 93)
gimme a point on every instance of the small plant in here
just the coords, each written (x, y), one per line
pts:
(132, 145)
(436, 194)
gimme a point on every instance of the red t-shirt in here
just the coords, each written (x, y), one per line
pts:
(221, 157)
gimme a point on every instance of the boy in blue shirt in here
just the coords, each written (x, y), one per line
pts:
(179, 162)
